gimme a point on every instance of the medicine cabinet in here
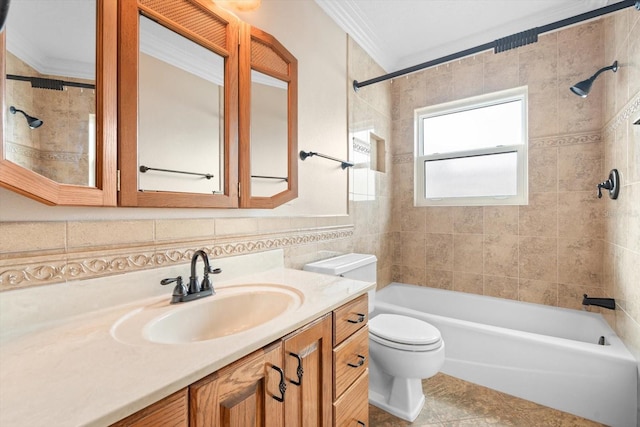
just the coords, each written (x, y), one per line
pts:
(204, 112)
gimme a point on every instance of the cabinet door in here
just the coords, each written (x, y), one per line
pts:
(308, 368)
(242, 394)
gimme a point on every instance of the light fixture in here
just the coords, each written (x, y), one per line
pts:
(33, 122)
(239, 5)
(582, 89)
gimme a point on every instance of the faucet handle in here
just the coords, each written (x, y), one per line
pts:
(206, 282)
(179, 292)
(170, 280)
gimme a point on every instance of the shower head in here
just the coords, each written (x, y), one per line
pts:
(33, 122)
(582, 88)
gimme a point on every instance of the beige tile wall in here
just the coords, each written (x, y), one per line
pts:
(41, 253)
(550, 251)
(370, 205)
(57, 149)
(621, 147)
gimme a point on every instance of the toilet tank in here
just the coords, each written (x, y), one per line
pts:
(351, 266)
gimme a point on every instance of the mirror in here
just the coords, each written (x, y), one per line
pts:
(268, 124)
(178, 138)
(181, 113)
(269, 146)
(58, 134)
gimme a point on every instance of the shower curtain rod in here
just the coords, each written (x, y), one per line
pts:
(506, 43)
(53, 84)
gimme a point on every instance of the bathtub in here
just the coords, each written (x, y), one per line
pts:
(544, 354)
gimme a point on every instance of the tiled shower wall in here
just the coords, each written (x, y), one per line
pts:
(59, 149)
(621, 148)
(552, 250)
(369, 191)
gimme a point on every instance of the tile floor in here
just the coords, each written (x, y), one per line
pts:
(453, 402)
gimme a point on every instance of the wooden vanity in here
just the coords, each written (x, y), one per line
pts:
(331, 350)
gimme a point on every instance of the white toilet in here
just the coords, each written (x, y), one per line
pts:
(403, 350)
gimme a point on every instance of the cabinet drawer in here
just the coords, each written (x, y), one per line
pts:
(349, 318)
(352, 409)
(171, 411)
(350, 360)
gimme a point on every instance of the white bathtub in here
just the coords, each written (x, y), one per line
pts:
(544, 354)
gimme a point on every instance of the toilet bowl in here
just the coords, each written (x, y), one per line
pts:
(402, 350)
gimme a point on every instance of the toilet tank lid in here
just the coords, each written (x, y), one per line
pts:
(340, 264)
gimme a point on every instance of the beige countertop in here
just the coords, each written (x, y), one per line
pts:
(76, 371)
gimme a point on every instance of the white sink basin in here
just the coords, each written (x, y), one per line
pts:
(232, 310)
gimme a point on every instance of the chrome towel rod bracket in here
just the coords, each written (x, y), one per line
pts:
(343, 163)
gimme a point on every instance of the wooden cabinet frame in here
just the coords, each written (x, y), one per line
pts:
(264, 53)
(184, 17)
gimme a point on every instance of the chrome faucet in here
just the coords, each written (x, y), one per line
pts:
(195, 290)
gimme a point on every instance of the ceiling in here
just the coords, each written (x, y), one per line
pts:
(402, 33)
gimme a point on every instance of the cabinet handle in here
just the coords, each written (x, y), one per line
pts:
(361, 360)
(282, 386)
(360, 423)
(360, 318)
(299, 371)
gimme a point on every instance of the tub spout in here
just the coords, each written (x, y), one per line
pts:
(609, 303)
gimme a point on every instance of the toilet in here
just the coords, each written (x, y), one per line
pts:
(402, 350)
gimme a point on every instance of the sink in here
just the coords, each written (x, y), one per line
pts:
(232, 310)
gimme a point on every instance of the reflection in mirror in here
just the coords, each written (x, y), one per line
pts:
(50, 76)
(181, 113)
(269, 135)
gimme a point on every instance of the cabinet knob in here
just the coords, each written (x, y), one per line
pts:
(360, 423)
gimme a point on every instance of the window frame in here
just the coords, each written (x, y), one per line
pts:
(481, 101)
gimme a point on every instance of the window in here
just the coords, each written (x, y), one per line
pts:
(473, 151)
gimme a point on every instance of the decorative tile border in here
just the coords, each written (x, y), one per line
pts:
(402, 158)
(34, 153)
(567, 139)
(622, 116)
(24, 272)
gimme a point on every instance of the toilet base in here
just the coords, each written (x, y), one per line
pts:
(404, 399)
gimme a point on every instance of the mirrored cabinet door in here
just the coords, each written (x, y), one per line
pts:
(59, 101)
(268, 121)
(178, 104)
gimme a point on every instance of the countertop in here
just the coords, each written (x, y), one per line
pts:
(75, 372)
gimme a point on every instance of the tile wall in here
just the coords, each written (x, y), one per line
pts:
(370, 193)
(59, 148)
(566, 242)
(621, 150)
(549, 251)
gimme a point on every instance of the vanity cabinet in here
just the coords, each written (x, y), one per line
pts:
(350, 364)
(172, 411)
(248, 392)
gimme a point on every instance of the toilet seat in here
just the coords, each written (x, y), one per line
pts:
(404, 333)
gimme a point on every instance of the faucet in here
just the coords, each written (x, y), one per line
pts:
(609, 303)
(195, 290)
